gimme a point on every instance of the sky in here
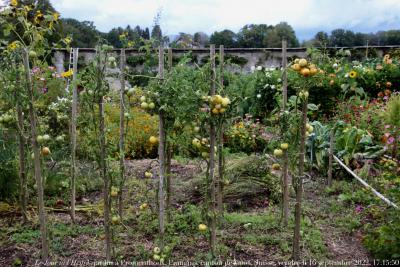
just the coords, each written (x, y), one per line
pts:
(306, 16)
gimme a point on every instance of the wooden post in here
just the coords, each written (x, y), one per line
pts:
(161, 153)
(36, 153)
(285, 182)
(103, 155)
(213, 235)
(169, 156)
(73, 130)
(330, 166)
(299, 185)
(219, 181)
(121, 133)
(284, 73)
(170, 58)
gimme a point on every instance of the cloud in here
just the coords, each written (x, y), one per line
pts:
(211, 15)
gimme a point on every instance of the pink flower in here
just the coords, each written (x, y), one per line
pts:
(387, 126)
(390, 140)
(358, 209)
(35, 70)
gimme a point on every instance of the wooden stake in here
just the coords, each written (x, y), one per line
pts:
(220, 178)
(121, 133)
(161, 153)
(103, 155)
(299, 185)
(36, 153)
(213, 236)
(284, 73)
(285, 182)
(73, 130)
(169, 156)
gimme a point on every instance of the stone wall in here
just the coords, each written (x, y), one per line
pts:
(267, 57)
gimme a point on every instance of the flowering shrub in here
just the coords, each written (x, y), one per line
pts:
(267, 84)
(138, 133)
(247, 136)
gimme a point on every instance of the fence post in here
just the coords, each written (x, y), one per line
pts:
(161, 153)
(169, 149)
(284, 73)
(122, 132)
(220, 207)
(213, 236)
(285, 183)
(73, 130)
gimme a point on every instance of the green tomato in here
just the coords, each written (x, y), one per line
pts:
(167, 249)
(32, 54)
(156, 250)
(46, 138)
(39, 139)
(156, 257)
(130, 92)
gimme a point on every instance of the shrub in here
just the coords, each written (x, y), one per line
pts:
(138, 131)
(383, 241)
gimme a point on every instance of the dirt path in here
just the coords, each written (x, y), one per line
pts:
(341, 245)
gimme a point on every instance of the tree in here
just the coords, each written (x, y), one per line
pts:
(392, 37)
(341, 37)
(84, 34)
(146, 34)
(253, 35)
(201, 39)
(272, 39)
(285, 31)
(184, 40)
(156, 34)
(321, 39)
(360, 39)
(227, 38)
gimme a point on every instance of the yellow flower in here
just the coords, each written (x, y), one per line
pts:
(387, 59)
(67, 40)
(130, 43)
(39, 17)
(67, 74)
(14, 2)
(14, 45)
(27, 8)
(352, 74)
(56, 16)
